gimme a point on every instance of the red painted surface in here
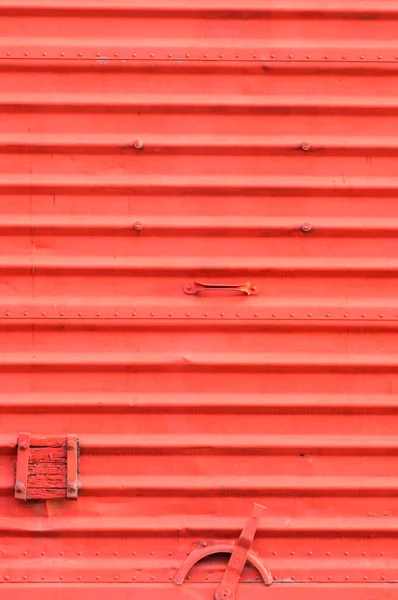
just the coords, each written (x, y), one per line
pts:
(151, 149)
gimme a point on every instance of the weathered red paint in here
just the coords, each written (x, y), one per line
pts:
(198, 278)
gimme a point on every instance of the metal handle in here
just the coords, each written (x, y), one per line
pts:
(244, 288)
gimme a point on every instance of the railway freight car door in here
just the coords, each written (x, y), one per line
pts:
(198, 299)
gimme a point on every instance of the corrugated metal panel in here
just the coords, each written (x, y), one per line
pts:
(148, 146)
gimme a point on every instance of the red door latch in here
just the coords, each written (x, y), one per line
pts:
(240, 554)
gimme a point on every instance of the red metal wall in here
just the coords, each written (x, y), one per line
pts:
(269, 144)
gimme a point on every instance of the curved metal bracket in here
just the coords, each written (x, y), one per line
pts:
(240, 554)
(210, 548)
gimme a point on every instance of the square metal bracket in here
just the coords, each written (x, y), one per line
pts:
(47, 467)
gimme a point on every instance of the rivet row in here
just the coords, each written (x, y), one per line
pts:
(196, 315)
(228, 55)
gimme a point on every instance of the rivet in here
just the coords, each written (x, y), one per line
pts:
(134, 314)
(365, 578)
(44, 53)
(170, 314)
(363, 553)
(308, 56)
(25, 554)
(272, 55)
(293, 578)
(310, 315)
(116, 577)
(345, 314)
(344, 56)
(310, 553)
(19, 487)
(292, 315)
(221, 314)
(328, 315)
(346, 553)
(80, 54)
(311, 577)
(306, 146)
(43, 553)
(188, 314)
(237, 56)
(187, 55)
(326, 57)
(274, 315)
(79, 577)
(169, 55)
(72, 487)
(98, 314)
(383, 577)
(206, 314)
(275, 577)
(205, 56)
(138, 226)
(254, 55)
(79, 553)
(364, 315)
(329, 577)
(347, 577)
(152, 314)
(8, 53)
(221, 55)
(134, 577)
(152, 554)
(44, 314)
(80, 314)
(362, 57)
(6, 577)
(238, 314)
(381, 316)
(152, 55)
(61, 553)
(138, 144)
(290, 55)
(133, 553)
(25, 314)
(292, 553)
(134, 55)
(381, 553)
(26, 53)
(189, 287)
(379, 57)
(25, 577)
(23, 446)
(256, 314)
(116, 314)
(62, 314)
(43, 577)
(116, 55)
(98, 54)
(98, 578)
(97, 553)
(7, 314)
(274, 553)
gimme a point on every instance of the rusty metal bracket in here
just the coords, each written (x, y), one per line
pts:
(71, 467)
(244, 288)
(21, 474)
(241, 553)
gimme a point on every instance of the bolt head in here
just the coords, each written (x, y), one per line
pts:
(19, 487)
(23, 446)
(138, 226)
(306, 227)
(71, 445)
(72, 487)
(306, 146)
(138, 144)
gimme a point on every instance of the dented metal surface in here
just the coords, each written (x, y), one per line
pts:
(198, 273)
